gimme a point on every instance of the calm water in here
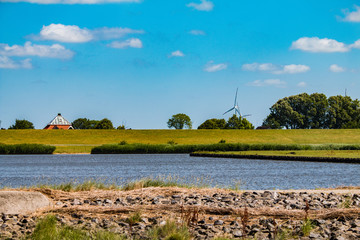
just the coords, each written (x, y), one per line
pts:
(29, 170)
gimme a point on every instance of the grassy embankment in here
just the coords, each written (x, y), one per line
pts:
(82, 141)
(299, 153)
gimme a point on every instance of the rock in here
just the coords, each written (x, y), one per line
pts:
(17, 202)
(238, 234)
(219, 222)
(314, 236)
(76, 202)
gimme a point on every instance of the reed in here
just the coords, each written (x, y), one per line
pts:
(223, 147)
(26, 149)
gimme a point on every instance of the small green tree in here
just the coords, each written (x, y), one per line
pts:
(235, 122)
(121, 127)
(22, 124)
(213, 124)
(104, 124)
(179, 121)
(84, 123)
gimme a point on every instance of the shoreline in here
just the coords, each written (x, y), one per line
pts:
(280, 158)
(207, 213)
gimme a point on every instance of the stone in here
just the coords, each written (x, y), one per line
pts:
(18, 202)
(219, 222)
(76, 202)
(238, 234)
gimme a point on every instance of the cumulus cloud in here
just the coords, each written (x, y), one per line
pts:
(177, 53)
(315, 44)
(129, 43)
(6, 62)
(268, 82)
(356, 44)
(293, 69)
(353, 16)
(65, 33)
(302, 84)
(75, 34)
(336, 68)
(29, 49)
(211, 67)
(197, 32)
(72, 1)
(203, 6)
(276, 69)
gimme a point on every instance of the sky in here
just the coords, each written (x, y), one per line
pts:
(138, 62)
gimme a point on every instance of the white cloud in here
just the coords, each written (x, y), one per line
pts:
(65, 33)
(276, 69)
(293, 69)
(6, 62)
(258, 67)
(336, 68)
(203, 6)
(302, 84)
(113, 33)
(316, 44)
(29, 49)
(129, 43)
(72, 1)
(211, 67)
(356, 44)
(353, 16)
(75, 34)
(177, 53)
(197, 32)
(268, 82)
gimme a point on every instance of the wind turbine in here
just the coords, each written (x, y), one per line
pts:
(236, 107)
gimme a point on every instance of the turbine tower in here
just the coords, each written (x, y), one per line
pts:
(236, 107)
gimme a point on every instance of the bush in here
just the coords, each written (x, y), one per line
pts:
(26, 149)
(224, 147)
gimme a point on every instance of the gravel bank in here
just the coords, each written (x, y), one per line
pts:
(210, 213)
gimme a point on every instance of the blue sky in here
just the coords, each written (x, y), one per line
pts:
(139, 62)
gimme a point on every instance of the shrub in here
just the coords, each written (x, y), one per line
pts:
(26, 149)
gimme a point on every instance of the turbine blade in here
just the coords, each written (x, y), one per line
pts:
(228, 111)
(237, 110)
(236, 96)
(247, 115)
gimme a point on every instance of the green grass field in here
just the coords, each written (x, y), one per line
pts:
(81, 141)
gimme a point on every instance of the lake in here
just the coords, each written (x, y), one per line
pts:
(30, 170)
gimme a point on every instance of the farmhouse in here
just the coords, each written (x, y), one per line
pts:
(59, 122)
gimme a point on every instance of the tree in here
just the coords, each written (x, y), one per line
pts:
(104, 124)
(84, 123)
(179, 121)
(22, 124)
(305, 111)
(213, 124)
(121, 127)
(235, 122)
(343, 112)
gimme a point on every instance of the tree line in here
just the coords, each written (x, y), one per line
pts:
(302, 111)
(80, 123)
